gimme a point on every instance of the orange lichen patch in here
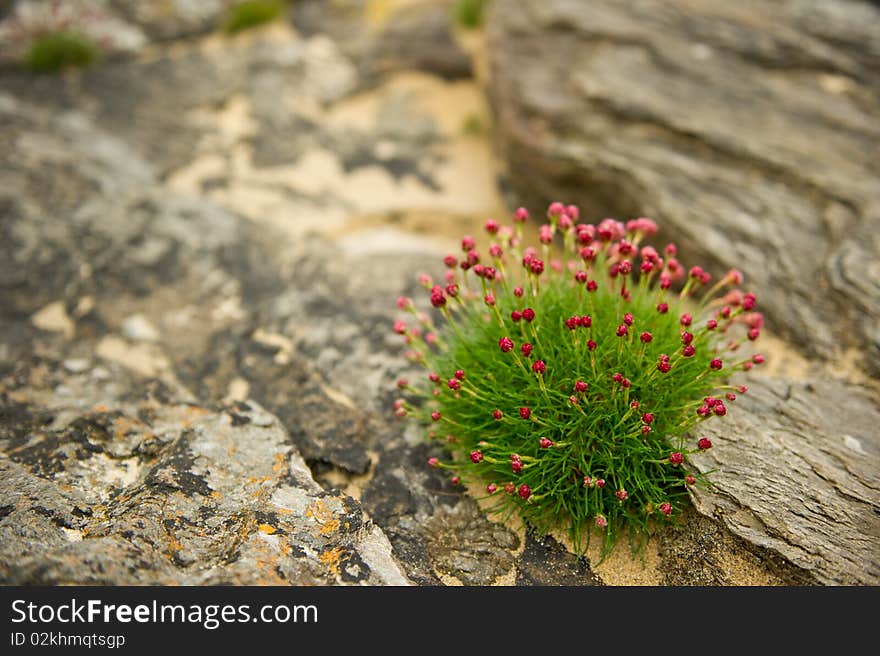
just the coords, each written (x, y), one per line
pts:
(268, 529)
(101, 408)
(125, 425)
(280, 466)
(258, 479)
(231, 450)
(215, 494)
(326, 521)
(332, 559)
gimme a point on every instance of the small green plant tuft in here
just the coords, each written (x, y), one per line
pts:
(252, 13)
(469, 13)
(56, 51)
(473, 126)
(568, 388)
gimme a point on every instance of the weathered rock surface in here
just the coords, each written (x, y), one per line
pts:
(200, 248)
(114, 484)
(798, 473)
(750, 130)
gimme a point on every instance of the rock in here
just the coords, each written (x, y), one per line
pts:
(150, 490)
(749, 132)
(219, 234)
(397, 36)
(797, 474)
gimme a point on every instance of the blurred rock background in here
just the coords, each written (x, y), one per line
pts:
(203, 233)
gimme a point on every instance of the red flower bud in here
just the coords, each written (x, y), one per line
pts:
(580, 386)
(675, 458)
(526, 349)
(600, 482)
(433, 462)
(524, 491)
(646, 337)
(648, 417)
(666, 508)
(525, 412)
(528, 314)
(704, 443)
(510, 488)
(435, 415)
(505, 344)
(539, 367)
(518, 292)
(622, 495)
(476, 457)
(491, 488)
(716, 364)
(601, 522)
(545, 443)
(467, 243)
(690, 480)
(688, 351)
(662, 308)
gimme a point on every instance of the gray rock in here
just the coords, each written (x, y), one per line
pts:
(749, 132)
(797, 473)
(149, 490)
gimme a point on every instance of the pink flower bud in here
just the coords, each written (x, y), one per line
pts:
(528, 314)
(545, 443)
(592, 286)
(666, 508)
(545, 234)
(518, 292)
(497, 414)
(628, 319)
(454, 384)
(516, 466)
(704, 443)
(688, 351)
(435, 415)
(526, 349)
(510, 488)
(646, 337)
(622, 495)
(433, 462)
(675, 458)
(521, 215)
(621, 330)
(689, 480)
(515, 316)
(601, 522)
(686, 319)
(524, 491)
(757, 358)
(662, 308)
(716, 364)
(648, 417)
(489, 300)
(491, 488)
(495, 251)
(476, 456)
(539, 367)
(525, 412)
(580, 386)
(581, 276)
(720, 409)
(711, 324)
(400, 327)
(468, 243)
(491, 226)
(505, 344)
(591, 345)
(455, 480)
(588, 481)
